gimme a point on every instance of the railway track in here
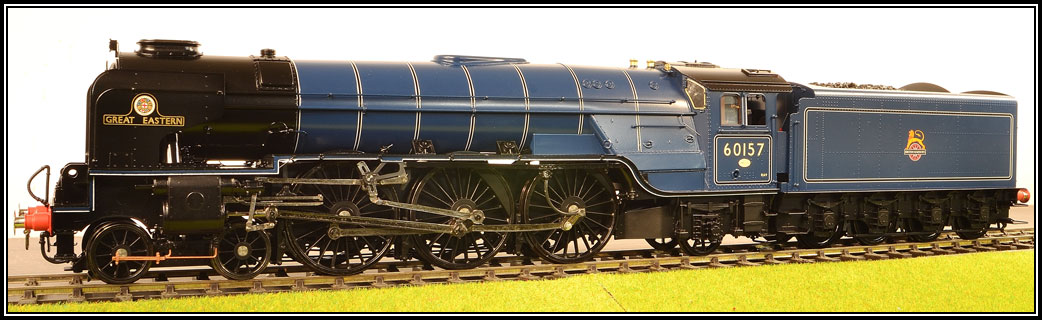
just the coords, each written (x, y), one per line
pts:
(32, 289)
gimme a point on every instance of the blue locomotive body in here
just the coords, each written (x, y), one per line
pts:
(642, 116)
(843, 140)
(463, 108)
(855, 140)
(186, 152)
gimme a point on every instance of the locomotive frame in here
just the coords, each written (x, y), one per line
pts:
(333, 157)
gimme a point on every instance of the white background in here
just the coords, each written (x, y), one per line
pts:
(53, 55)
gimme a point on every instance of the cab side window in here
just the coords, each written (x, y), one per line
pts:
(730, 110)
(756, 109)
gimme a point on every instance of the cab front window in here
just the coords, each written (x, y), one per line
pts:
(696, 93)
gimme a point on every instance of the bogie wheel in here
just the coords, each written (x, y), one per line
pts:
(118, 239)
(821, 239)
(662, 244)
(569, 188)
(462, 190)
(309, 241)
(241, 255)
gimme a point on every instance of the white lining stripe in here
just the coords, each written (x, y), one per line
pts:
(416, 89)
(296, 142)
(524, 86)
(806, 122)
(579, 90)
(636, 109)
(473, 108)
(361, 105)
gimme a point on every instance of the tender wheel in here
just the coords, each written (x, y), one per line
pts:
(875, 234)
(821, 239)
(462, 190)
(241, 255)
(932, 217)
(917, 226)
(870, 239)
(310, 243)
(924, 237)
(118, 239)
(965, 229)
(662, 244)
(567, 188)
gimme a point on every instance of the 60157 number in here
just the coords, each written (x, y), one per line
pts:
(746, 149)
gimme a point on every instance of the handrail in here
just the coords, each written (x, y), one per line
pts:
(28, 186)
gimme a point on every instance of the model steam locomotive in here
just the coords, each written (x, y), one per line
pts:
(337, 164)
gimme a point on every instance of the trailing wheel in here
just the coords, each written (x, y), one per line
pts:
(663, 244)
(705, 236)
(461, 190)
(777, 236)
(780, 238)
(241, 255)
(118, 239)
(543, 200)
(701, 246)
(312, 244)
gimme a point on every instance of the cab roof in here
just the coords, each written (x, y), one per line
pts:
(726, 79)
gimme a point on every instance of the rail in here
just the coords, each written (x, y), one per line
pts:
(195, 282)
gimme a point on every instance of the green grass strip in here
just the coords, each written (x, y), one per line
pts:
(981, 282)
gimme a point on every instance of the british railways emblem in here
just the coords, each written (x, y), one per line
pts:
(915, 149)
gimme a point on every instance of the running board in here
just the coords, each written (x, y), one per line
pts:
(385, 227)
